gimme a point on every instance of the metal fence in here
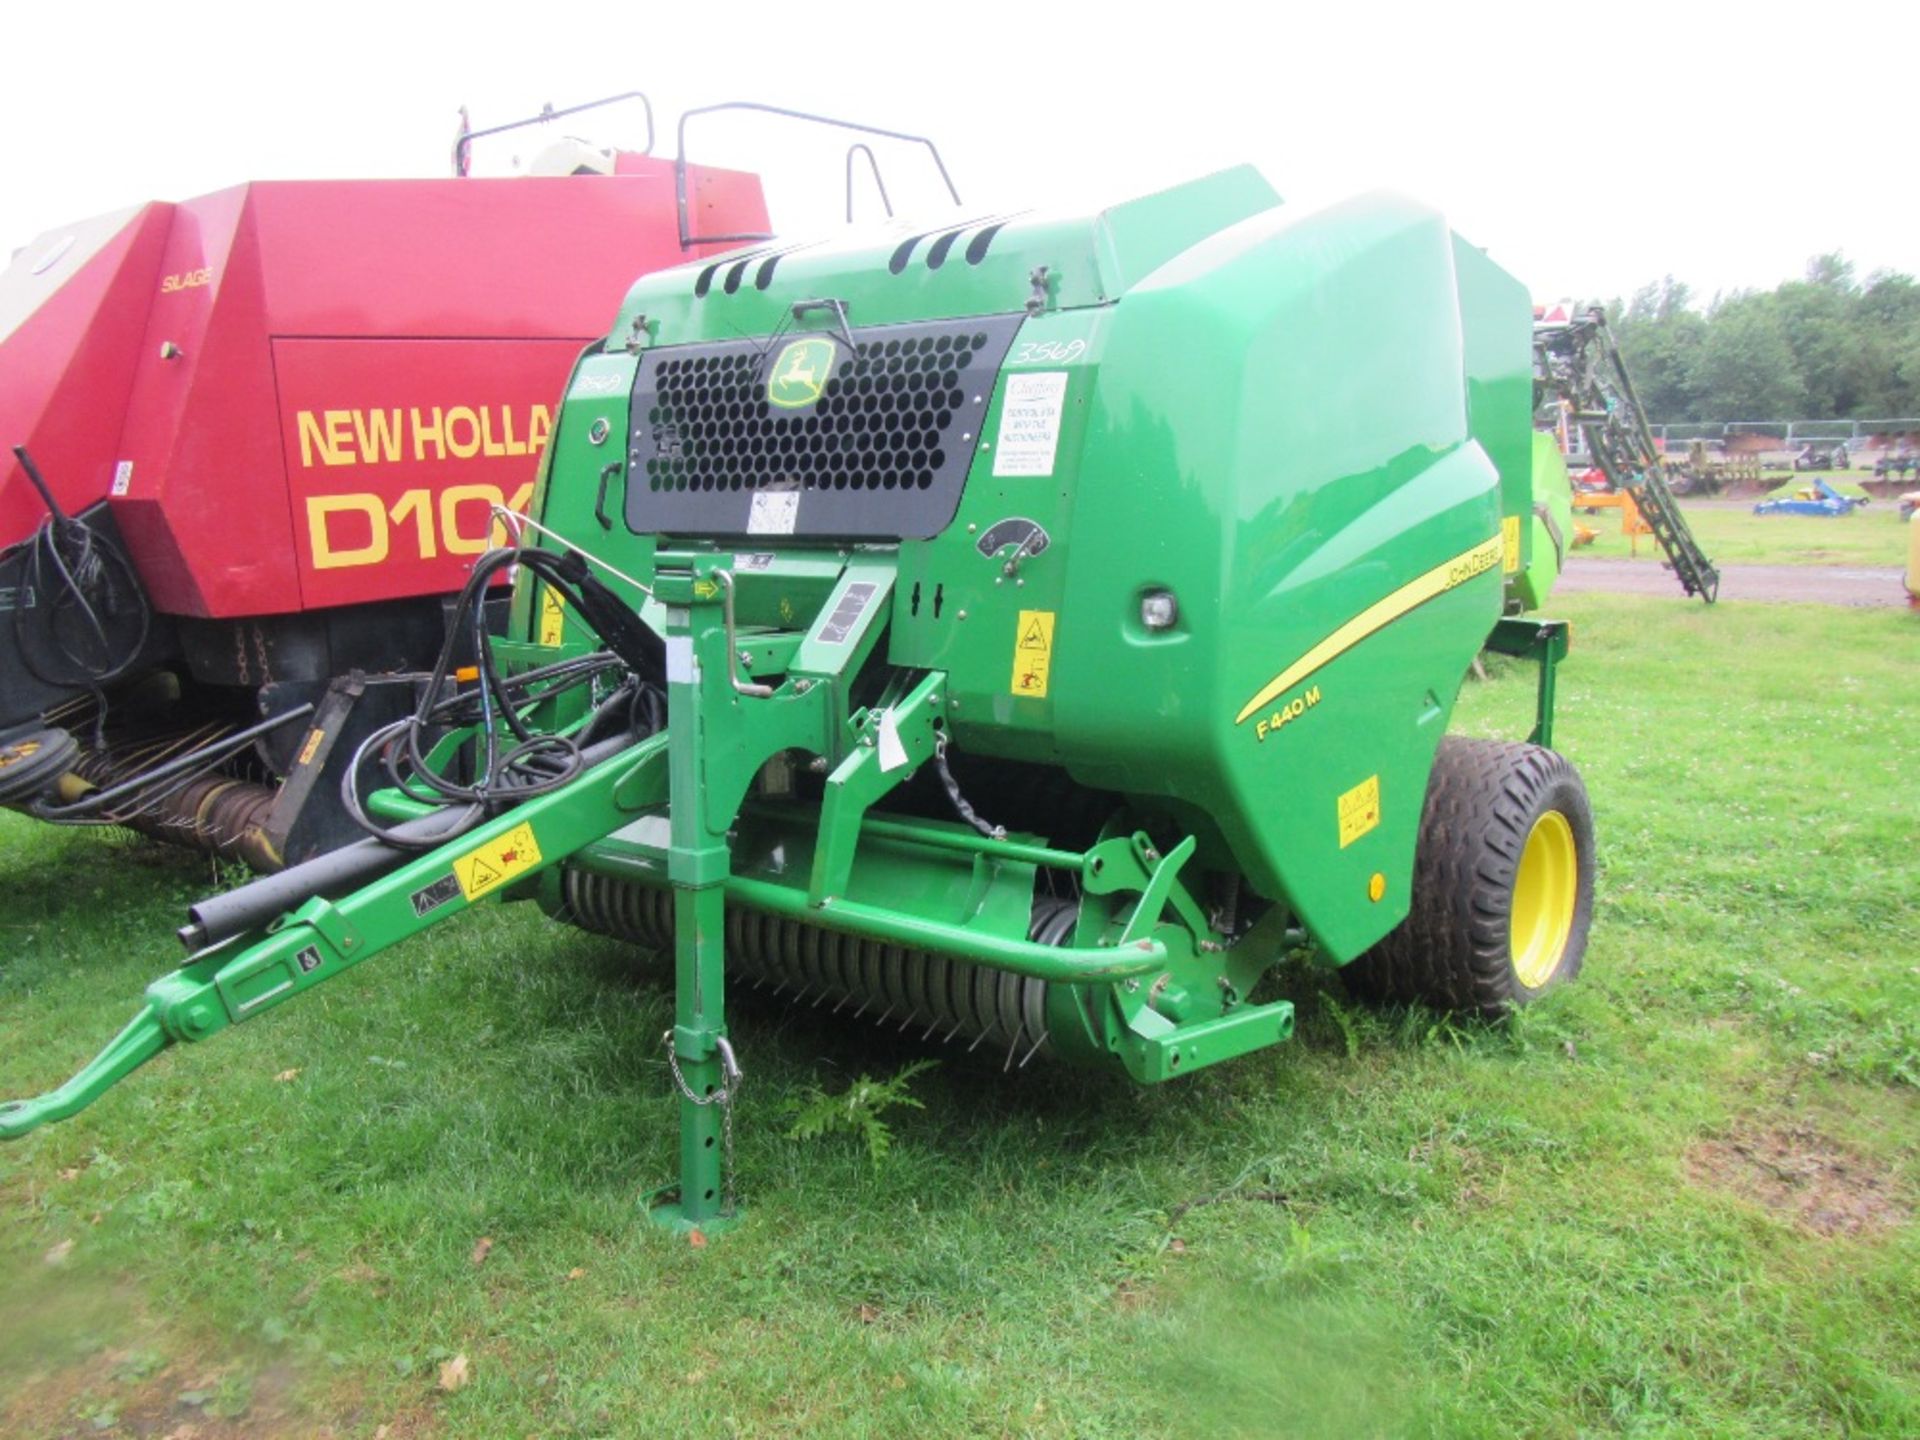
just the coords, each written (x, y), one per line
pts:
(1789, 432)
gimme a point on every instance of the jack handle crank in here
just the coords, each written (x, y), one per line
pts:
(743, 687)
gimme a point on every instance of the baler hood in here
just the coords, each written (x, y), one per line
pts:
(980, 265)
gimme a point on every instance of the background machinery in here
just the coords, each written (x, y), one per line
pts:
(1579, 371)
(1818, 498)
(1024, 631)
(1702, 469)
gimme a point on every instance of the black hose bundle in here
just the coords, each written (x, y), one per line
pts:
(71, 573)
(534, 764)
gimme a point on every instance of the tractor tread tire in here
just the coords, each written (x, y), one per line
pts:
(1452, 950)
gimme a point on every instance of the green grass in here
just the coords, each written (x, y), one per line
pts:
(1731, 533)
(1395, 1225)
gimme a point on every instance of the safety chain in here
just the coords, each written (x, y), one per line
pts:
(959, 802)
(722, 1096)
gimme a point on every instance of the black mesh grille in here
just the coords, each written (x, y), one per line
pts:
(883, 451)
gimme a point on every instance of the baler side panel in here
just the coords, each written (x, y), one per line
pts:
(957, 609)
(1550, 526)
(398, 449)
(67, 358)
(1496, 321)
(365, 366)
(206, 514)
(1281, 434)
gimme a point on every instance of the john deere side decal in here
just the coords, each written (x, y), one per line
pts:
(1377, 616)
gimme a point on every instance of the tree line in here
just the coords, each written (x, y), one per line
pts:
(1826, 346)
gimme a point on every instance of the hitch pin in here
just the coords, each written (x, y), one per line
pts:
(729, 1066)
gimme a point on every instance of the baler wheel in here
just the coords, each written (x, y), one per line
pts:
(1502, 884)
(30, 764)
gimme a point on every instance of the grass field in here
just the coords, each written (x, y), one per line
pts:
(1731, 533)
(1675, 1198)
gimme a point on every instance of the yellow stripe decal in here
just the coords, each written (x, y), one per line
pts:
(1437, 581)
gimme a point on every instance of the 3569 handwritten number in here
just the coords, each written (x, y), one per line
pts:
(1049, 352)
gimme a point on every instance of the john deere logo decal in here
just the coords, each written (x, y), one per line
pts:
(801, 372)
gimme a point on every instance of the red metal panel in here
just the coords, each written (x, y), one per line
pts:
(348, 286)
(724, 202)
(498, 259)
(206, 513)
(397, 448)
(65, 368)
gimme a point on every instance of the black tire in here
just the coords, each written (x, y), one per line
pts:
(31, 764)
(1455, 950)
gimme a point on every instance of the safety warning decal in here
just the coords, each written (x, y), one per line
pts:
(1510, 542)
(429, 898)
(553, 616)
(484, 870)
(312, 746)
(1032, 653)
(1359, 810)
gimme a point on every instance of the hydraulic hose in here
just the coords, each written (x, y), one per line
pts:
(257, 904)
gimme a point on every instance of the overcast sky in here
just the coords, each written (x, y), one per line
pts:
(1590, 148)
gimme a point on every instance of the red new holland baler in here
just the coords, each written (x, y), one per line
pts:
(248, 442)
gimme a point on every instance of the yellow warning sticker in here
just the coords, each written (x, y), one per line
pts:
(553, 616)
(1510, 542)
(1032, 653)
(498, 861)
(1359, 810)
(308, 750)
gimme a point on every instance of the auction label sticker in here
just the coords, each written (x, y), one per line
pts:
(773, 512)
(1030, 423)
(485, 869)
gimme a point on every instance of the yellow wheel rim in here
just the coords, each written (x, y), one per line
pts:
(1545, 890)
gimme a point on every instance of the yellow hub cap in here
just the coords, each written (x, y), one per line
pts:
(1545, 889)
